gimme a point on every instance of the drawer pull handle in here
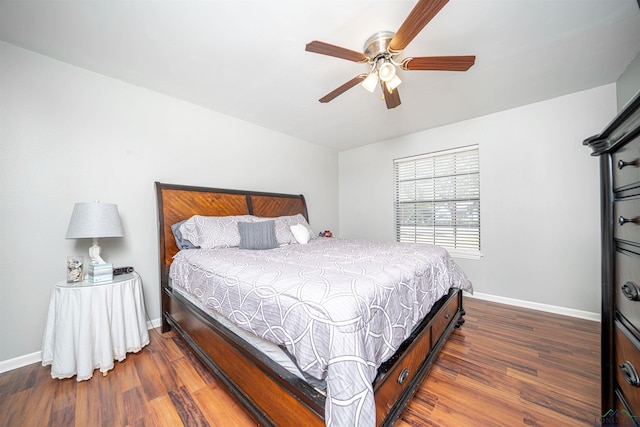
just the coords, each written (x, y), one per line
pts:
(622, 164)
(447, 314)
(631, 291)
(622, 220)
(629, 374)
(403, 376)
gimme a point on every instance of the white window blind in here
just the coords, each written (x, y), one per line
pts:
(437, 198)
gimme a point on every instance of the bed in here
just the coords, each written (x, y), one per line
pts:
(284, 338)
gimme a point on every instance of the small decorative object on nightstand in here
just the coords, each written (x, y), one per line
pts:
(89, 325)
(74, 268)
(99, 273)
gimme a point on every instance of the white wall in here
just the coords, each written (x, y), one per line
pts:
(69, 135)
(539, 196)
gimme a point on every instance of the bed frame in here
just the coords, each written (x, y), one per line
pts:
(272, 395)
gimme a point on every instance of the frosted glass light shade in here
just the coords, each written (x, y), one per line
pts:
(394, 83)
(370, 82)
(386, 71)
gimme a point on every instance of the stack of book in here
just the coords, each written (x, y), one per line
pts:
(99, 273)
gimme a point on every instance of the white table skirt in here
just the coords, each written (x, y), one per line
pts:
(91, 325)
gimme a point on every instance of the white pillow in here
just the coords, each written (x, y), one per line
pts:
(301, 233)
(283, 228)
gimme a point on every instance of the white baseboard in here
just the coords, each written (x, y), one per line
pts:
(537, 306)
(28, 359)
(152, 324)
(20, 361)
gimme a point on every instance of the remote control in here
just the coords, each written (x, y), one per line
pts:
(122, 270)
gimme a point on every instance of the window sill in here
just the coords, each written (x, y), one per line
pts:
(464, 254)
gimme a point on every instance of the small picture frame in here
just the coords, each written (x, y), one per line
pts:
(75, 266)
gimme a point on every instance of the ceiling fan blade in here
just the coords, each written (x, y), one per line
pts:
(439, 63)
(342, 89)
(337, 51)
(420, 16)
(391, 97)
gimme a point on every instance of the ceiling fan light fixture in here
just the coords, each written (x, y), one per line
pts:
(386, 71)
(371, 81)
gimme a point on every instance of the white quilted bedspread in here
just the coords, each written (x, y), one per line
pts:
(341, 307)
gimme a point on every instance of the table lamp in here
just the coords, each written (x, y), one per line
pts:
(94, 220)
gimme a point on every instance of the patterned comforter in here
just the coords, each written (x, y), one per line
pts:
(340, 307)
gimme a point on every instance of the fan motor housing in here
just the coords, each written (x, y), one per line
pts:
(377, 45)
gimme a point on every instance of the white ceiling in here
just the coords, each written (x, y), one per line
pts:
(246, 59)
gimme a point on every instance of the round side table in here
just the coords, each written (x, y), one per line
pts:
(89, 325)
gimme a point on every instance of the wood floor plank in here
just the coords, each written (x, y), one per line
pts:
(135, 405)
(88, 402)
(13, 407)
(150, 376)
(129, 374)
(163, 413)
(111, 402)
(41, 409)
(65, 396)
(220, 409)
(63, 417)
(187, 409)
(188, 375)
(506, 366)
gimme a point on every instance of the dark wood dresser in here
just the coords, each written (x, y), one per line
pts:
(618, 148)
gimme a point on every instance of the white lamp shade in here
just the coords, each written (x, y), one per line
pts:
(94, 220)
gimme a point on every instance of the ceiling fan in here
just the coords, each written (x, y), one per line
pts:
(381, 52)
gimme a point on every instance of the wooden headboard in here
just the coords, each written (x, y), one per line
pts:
(179, 202)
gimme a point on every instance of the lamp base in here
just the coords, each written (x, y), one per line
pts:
(94, 253)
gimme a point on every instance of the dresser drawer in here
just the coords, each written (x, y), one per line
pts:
(626, 215)
(628, 286)
(627, 366)
(626, 165)
(625, 416)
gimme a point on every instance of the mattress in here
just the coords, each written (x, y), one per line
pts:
(339, 307)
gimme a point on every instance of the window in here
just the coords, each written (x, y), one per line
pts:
(437, 199)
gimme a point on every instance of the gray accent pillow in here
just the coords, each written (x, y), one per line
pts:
(257, 235)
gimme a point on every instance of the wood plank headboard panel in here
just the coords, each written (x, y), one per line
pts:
(268, 205)
(179, 202)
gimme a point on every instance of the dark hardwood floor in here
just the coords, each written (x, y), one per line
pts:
(507, 366)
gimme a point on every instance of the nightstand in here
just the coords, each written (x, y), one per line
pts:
(89, 325)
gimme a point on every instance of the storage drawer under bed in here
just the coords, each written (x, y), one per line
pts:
(411, 363)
